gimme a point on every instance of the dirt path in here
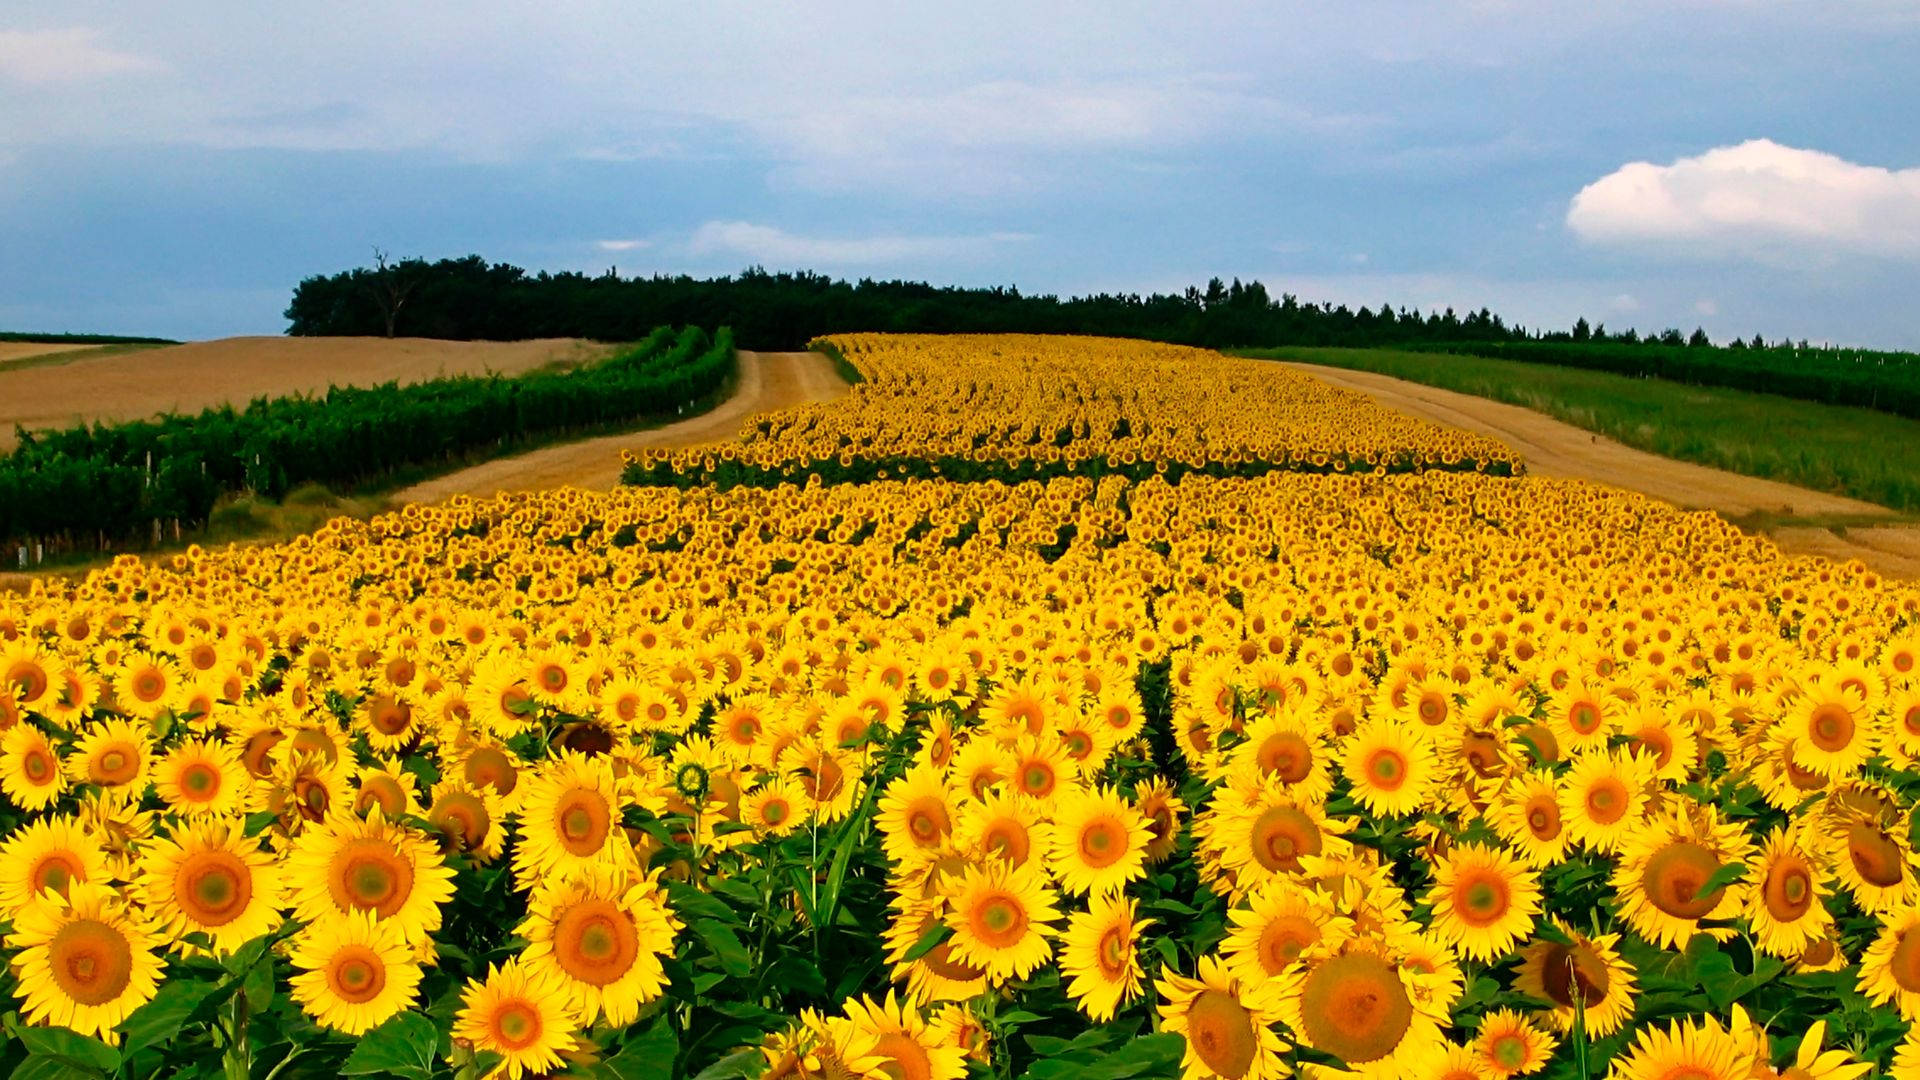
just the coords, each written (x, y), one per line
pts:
(768, 381)
(1553, 448)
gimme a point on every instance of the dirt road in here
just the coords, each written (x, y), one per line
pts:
(768, 381)
(1553, 448)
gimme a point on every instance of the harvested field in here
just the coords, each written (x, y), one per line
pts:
(27, 350)
(187, 378)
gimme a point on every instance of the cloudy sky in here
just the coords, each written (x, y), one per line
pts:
(1744, 165)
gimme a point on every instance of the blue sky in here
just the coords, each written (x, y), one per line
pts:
(1745, 166)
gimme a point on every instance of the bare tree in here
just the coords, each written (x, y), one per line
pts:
(390, 287)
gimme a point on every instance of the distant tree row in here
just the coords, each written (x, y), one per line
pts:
(82, 339)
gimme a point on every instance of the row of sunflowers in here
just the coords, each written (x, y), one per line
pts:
(1429, 774)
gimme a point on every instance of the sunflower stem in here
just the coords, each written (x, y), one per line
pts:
(238, 1060)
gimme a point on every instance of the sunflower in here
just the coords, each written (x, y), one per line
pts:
(1040, 765)
(1267, 838)
(144, 686)
(356, 971)
(1358, 1003)
(1586, 974)
(815, 1048)
(935, 975)
(1098, 955)
(1694, 1051)
(1483, 900)
(1602, 799)
(1099, 841)
(1833, 731)
(201, 776)
(1510, 1044)
(210, 878)
(1005, 825)
(1784, 905)
(87, 960)
(113, 755)
(1890, 970)
(1581, 717)
(1390, 766)
(1001, 917)
(30, 768)
(48, 854)
(1663, 868)
(775, 808)
(1458, 1063)
(1809, 1062)
(1287, 749)
(569, 817)
(598, 934)
(1227, 1024)
(301, 789)
(1527, 816)
(1163, 809)
(470, 820)
(518, 1016)
(916, 815)
(347, 864)
(830, 777)
(907, 1047)
(1281, 920)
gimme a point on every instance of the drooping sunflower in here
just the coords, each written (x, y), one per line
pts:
(1280, 921)
(351, 864)
(598, 933)
(201, 776)
(1098, 955)
(1390, 766)
(87, 961)
(569, 817)
(916, 815)
(1527, 816)
(31, 773)
(356, 971)
(1510, 1044)
(210, 878)
(1602, 799)
(1228, 1024)
(1587, 976)
(1002, 917)
(1664, 867)
(48, 854)
(1099, 841)
(1694, 1051)
(1483, 900)
(907, 1046)
(1890, 970)
(113, 755)
(1784, 905)
(522, 1018)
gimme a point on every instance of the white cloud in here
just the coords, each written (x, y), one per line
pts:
(69, 55)
(1625, 302)
(622, 245)
(1706, 306)
(1757, 199)
(767, 244)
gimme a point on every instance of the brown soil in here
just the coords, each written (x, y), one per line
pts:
(768, 381)
(188, 378)
(24, 350)
(1553, 448)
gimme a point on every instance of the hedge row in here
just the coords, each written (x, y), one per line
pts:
(116, 480)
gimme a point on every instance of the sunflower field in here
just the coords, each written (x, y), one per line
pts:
(1046, 707)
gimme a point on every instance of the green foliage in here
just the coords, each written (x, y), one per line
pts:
(116, 480)
(83, 339)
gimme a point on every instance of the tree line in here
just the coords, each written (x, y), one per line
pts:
(111, 483)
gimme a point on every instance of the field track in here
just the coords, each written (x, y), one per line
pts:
(134, 385)
(1553, 448)
(768, 381)
(27, 350)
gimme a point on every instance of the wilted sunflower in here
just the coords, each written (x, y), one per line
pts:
(1099, 841)
(210, 878)
(1227, 1024)
(356, 971)
(1098, 955)
(518, 1016)
(1483, 900)
(87, 960)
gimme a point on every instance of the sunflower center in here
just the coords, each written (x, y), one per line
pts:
(1572, 975)
(370, 875)
(1115, 950)
(1000, 921)
(1281, 835)
(1037, 779)
(1584, 717)
(1480, 899)
(905, 1058)
(1387, 769)
(583, 821)
(54, 871)
(149, 685)
(91, 961)
(37, 764)
(1102, 843)
(1876, 857)
(463, 818)
(1789, 890)
(1607, 801)
(1220, 1031)
(1284, 939)
(1543, 818)
(357, 974)
(1355, 1008)
(200, 780)
(1287, 756)
(595, 942)
(943, 963)
(117, 765)
(213, 887)
(1904, 964)
(1509, 1051)
(774, 812)
(517, 1025)
(1831, 727)
(1673, 878)
(928, 822)
(1007, 839)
